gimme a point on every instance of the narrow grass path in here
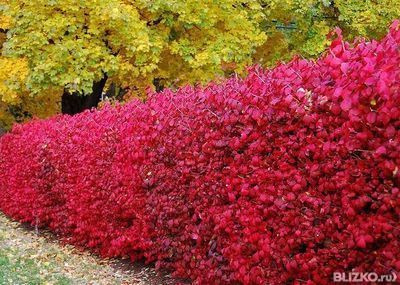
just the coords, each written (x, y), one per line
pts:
(30, 258)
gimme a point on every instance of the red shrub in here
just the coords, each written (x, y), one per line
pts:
(290, 174)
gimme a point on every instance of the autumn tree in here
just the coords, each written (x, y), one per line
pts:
(80, 45)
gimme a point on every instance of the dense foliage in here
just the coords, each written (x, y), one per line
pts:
(52, 45)
(289, 174)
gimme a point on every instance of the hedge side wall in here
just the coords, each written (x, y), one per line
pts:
(289, 174)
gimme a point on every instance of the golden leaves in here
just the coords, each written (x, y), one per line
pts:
(13, 75)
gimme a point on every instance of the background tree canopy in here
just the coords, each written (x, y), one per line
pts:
(52, 48)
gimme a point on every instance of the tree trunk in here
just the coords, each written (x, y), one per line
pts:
(116, 92)
(74, 103)
(158, 84)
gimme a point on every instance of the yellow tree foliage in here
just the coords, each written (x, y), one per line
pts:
(71, 43)
(16, 102)
(56, 45)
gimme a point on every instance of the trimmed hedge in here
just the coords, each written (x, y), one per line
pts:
(287, 175)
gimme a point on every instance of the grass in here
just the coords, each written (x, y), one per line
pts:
(30, 258)
(25, 270)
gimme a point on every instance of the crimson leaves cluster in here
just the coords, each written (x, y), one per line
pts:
(287, 175)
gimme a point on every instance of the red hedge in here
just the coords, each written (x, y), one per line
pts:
(290, 174)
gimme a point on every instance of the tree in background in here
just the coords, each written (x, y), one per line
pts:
(17, 103)
(79, 46)
(70, 51)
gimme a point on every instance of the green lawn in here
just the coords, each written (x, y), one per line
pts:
(15, 269)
